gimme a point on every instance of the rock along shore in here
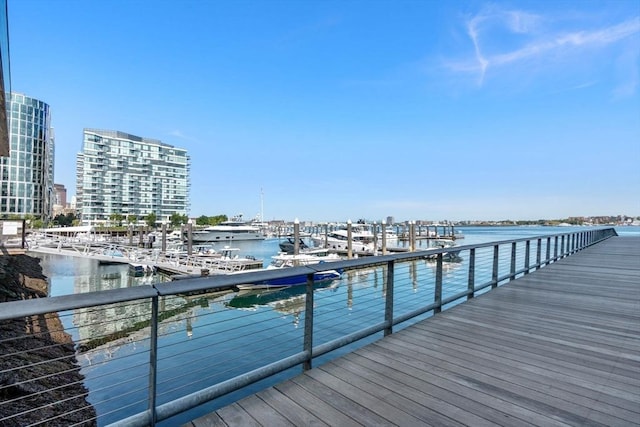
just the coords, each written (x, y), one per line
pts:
(51, 388)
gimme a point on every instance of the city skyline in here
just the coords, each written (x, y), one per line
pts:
(343, 110)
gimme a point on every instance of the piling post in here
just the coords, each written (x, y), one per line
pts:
(375, 237)
(296, 236)
(189, 238)
(412, 238)
(349, 242)
(384, 237)
(164, 237)
(140, 236)
(326, 235)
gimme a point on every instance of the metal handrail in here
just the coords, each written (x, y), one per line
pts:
(565, 244)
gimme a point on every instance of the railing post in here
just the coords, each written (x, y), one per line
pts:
(388, 306)
(472, 272)
(538, 253)
(548, 251)
(308, 323)
(574, 244)
(437, 296)
(512, 271)
(562, 247)
(527, 254)
(555, 249)
(153, 360)
(494, 274)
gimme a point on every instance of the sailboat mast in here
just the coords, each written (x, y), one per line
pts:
(261, 205)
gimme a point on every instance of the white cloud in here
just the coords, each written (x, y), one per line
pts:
(508, 38)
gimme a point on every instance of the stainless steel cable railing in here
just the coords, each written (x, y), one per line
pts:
(152, 352)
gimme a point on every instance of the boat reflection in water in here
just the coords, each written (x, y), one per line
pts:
(286, 300)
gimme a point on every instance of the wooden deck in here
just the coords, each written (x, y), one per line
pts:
(557, 347)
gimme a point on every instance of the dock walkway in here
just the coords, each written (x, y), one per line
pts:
(557, 347)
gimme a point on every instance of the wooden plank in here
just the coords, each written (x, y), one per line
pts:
(391, 372)
(235, 415)
(371, 402)
(443, 412)
(547, 389)
(260, 410)
(500, 385)
(318, 407)
(287, 406)
(407, 400)
(477, 345)
(557, 358)
(455, 383)
(357, 412)
(209, 420)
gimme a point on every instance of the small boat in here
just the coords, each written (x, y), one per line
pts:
(228, 260)
(234, 229)
(288, 246)
(362, 240)
(136, 269)
(283, 260)
(449, 256)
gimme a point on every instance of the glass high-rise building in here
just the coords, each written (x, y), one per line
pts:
(119, 173)
(5, 78)
(26, 176)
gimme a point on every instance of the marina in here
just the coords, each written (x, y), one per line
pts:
(173, 254)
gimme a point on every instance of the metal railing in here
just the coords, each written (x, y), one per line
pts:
(155, 373)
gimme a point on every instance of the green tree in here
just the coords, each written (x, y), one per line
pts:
(215, 220)
(116, 218)
(202, 220)
(131, 219)
(64, 220)
(176, 219)
(151, 220)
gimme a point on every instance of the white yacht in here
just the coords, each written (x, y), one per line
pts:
(232, 230)
(362, 240)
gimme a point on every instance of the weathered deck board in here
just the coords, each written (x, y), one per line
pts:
(557, 347)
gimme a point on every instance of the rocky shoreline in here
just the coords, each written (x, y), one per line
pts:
(51, 388)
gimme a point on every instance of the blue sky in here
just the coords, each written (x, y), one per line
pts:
(336, 110)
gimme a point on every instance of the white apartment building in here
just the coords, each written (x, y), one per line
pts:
(119, 173)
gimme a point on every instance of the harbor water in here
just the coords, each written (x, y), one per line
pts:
(355, 299)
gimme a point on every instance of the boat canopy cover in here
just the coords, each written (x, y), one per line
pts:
(77, 229)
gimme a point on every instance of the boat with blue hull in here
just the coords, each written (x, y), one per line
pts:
(284, 260)
(319, 277)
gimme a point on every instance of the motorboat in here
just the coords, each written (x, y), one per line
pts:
(228, 260)
(288, 246)
(137, 269)
(362, 240)
(284, 260)
(310, 256)
(234, 229)
(389, 235)
(449, 256)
